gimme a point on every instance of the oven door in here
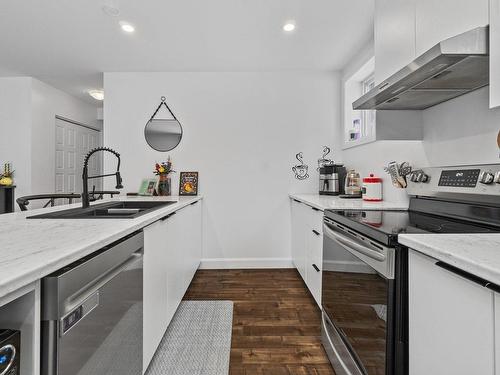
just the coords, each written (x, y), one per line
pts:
(357, 295)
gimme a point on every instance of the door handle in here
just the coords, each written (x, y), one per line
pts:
(468, 276)
(351, 246)
(316, 268)
(169, 215)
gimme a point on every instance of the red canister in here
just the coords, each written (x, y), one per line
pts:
(372, 188)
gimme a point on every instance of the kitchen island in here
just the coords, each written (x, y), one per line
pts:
(34, 248)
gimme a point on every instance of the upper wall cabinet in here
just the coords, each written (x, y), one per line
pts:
(394, 36)
(404, 29)
(494, 53)
(439, 20)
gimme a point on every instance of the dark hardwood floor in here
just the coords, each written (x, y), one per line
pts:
(276, 322)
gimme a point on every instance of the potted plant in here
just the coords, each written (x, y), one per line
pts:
(163, 170)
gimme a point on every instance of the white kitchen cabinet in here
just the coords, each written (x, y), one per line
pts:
(394, 36)
(497, 334)
(450, 321)
(494, 53)
(172, 254)
(439, 20)
(155, 320)
(307, 245)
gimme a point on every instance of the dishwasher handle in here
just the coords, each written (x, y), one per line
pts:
(91, 289)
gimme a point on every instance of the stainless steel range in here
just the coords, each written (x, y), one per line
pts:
(364, 286)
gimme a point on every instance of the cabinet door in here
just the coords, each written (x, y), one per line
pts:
(314, 263)
(450, 322)
(394, 36)
(155, 303)
(298, 236)
(494, 54)
(194, 232)
(439, 20)
(175, 263)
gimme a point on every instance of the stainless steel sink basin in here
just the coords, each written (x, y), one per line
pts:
(110, 210)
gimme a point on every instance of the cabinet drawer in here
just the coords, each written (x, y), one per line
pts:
(316, 219)
(314, 281)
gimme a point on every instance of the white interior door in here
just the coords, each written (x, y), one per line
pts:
(73, 142)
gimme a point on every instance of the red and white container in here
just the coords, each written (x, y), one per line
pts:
(372, 189)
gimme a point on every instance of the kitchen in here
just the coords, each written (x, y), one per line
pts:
(243, 270)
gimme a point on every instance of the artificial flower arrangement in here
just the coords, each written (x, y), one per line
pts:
(163, 170)
(6, 178)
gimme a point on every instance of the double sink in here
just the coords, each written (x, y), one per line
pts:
(109, 210)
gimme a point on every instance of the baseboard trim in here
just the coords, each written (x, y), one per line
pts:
(245, 263)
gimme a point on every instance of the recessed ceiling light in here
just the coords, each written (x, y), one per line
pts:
(128, 28)
(289, 26)
(97, 94)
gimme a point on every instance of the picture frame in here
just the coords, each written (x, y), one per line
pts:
(188, 184)
(148, 186)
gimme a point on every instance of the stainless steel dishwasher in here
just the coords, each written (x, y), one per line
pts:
(92, 313)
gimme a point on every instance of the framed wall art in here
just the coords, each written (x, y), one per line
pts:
(188, 183)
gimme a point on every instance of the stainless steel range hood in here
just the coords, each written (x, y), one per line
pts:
(451, 68)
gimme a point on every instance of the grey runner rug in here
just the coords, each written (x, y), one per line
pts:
(197, 341)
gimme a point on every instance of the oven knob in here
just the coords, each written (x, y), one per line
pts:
(497, 177)
(422, 177)
(486, 178)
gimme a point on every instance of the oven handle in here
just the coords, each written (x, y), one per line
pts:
(350, 245)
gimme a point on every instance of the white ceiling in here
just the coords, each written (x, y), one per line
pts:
(69, 43)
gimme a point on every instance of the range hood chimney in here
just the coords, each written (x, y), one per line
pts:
(451, 68)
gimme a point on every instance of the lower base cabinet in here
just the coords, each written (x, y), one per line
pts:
(451, 322)
(307, 245)
(172, 254)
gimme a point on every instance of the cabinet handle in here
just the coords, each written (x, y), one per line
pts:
(315, 209)
(295, 200)
(316, 232)
(192, 204)
(468, 276)
(169, 215)
(315, 267)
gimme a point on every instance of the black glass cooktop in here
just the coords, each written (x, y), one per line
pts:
(384, 226)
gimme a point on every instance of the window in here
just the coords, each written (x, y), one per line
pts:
(359, 125)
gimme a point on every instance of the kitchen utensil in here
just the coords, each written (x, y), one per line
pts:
(372, 188)
(397, 180)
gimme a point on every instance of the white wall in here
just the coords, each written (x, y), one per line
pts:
(241, 132)
(15, 125)
(47, 102)
(462, 131)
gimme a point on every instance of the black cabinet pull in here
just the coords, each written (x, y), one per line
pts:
(192, 204)
(295, 200)
(169, 215)
(468, 276)
(315, 267)
(315, 209)
(316, 232)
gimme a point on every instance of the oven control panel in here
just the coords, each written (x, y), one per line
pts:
(467, 178)
(456, 181)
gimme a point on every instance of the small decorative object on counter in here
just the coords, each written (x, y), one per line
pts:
(301, 169)
(372, 188)
(188, 183)
(6, 177)
(148, 186)
(163, 170)
(352, 185)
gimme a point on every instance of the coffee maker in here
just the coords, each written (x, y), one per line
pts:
(331, 179)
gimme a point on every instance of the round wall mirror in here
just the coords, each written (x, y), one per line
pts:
(163, 134)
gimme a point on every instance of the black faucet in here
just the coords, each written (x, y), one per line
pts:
(86, 178)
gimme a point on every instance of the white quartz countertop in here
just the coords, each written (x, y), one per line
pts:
(478, 254)
(33, 248)
(324, 202)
